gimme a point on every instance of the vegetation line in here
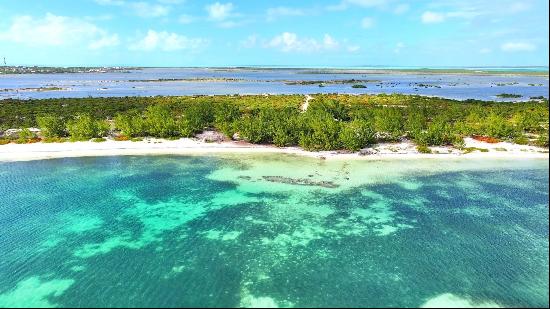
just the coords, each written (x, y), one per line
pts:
(321, 122)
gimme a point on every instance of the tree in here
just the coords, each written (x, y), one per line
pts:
(84, 127)
(389, 121)
(159, 121)
(321, 132)
(497, 126)
(131, 124)
(225, 116)
(415, 123)
(356, 135)
(51, 126)
(195, 119)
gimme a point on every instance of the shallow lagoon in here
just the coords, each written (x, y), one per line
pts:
(273, 230)
(261, 81)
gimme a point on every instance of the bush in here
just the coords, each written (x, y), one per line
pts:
(99, 140)
(195, 119)
(389, 121)
(356, 135)
(53, 140)
(225, 117)
(4, 141)
(423, 149)
(542, 141)
(51, 126)
(436, 135)
(497, 126)
(131, 124)
(254, 129)
(521, 140)
(321, 132)
(159, 121)
(84, 127)
(286, 130)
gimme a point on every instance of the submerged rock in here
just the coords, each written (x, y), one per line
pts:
(301, 182)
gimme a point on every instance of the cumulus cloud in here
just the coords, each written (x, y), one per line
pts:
(220, 11)
(143, 9)
(53, 30)
(344, 4)
(167, 41)
(291, 42)
(432, 17)
(518, 47)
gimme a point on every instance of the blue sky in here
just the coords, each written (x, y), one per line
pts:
(293, 33)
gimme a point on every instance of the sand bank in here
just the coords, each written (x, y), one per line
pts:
(405, 150)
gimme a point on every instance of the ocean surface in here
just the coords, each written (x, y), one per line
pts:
(273, 231)
(156, 81)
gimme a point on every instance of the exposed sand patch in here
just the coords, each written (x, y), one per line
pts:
(186, 146)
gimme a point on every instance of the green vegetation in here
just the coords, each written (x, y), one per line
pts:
(331, 122)
(84, 127)
(509, 96)
(423, 149)
(52, 126)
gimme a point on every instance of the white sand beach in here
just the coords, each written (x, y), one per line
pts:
(186, 146)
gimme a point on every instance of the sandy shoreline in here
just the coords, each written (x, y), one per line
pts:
(405, 150)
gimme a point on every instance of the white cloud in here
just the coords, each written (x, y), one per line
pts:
(167, 41)
(282, 11)
(485, 50)
(518, 47)
(344, 4)
(219, 11)
(432, 17)
(110, 2)
(53, 30)
(144, 9)
(401, 8)
(367, 23)
(186, 19)
(291, 42)
(171, 1)
(141, 8)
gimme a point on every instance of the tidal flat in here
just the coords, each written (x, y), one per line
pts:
(273, 230)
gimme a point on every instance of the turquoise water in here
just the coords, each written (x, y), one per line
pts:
(273, 231)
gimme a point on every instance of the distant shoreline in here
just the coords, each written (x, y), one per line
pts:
(526, 70)
(186, 146)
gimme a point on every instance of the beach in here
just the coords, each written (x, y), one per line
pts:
(188, 146)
